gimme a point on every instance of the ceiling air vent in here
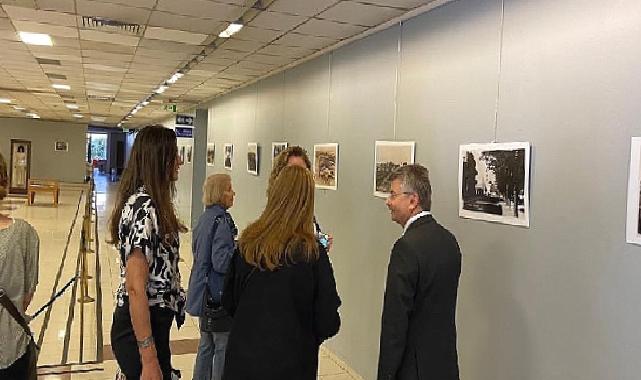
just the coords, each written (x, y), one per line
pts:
(46, 61)
(103, 23)
(56, 76)
(101, 98)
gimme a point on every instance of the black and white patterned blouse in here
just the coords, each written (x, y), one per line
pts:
(139, 228)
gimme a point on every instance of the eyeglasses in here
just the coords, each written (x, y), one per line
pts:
(393, 195)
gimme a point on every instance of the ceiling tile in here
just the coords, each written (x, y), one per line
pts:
(331, 29)
(47, 17)
(406, 4)
(174, 35)
(276, 21)
(201, 8)
(251, 33)
(113, 38)
(241, 45)
(360, 14)
(57, 5)
(303, 8)
(119, 13)
(53, 30)
(187, 23)
(285, 51)
(301, 40)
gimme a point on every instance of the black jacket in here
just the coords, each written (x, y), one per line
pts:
(280, 319)
(418, 336)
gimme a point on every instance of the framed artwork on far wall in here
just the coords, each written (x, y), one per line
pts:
(229, 155)
(61, 146)
(389, 155)
(277, 147)
(633, 223)
(494, 182)
(252, 158)
(326, 166)
(211, 150)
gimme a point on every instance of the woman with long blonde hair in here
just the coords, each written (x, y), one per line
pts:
(280, 288)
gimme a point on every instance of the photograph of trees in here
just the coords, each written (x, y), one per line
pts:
(326, 166)
(494, 182)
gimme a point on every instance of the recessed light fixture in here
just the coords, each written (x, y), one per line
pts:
(175, 77)
(145, 103)
(160, 89)
(32, 115)
(72, 106)
(36, 38)
(99, 119)
(19, 108)
(5, 101)
(77, 116)
(232, 29)
(60, 86)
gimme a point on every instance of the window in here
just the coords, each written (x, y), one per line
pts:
(98, 146)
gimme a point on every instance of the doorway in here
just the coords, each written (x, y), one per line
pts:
(20, 168)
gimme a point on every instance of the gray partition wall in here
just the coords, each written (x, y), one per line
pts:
(559, 300)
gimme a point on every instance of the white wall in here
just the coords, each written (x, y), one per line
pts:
(46, 163)
(559, 300)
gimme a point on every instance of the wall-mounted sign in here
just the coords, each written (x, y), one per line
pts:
(171, 107)
(187, 132)
(185, 120)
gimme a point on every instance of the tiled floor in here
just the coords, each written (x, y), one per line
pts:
(72, 351)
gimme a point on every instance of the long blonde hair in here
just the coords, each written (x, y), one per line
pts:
(284, 232)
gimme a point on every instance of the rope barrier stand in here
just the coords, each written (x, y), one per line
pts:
(85, 239)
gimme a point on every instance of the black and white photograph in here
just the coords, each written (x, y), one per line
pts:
(277, 147)
(252, 158)
(633, 224)
(211, 151)
(188, 154)
(389, 155)
(229, 155)
(494, 181)
(326, 166)
(181, 153)
(62, 146)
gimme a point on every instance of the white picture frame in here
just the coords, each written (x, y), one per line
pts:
(325, 166)
(228, 155)
(389, 155)
(211, 154)
(278, 147)
(252, 158)
(484, 194)
(633, 217)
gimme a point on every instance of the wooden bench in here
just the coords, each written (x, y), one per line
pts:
(42, 185)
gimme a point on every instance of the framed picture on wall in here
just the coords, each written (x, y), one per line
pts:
(229, 155)
(277, 147)
(211, 150)
(181, 153)
(389, 155)
(494, 182)
(61, 146)
(326, 166)
(633, 225)
(252, 158)
(189, 153)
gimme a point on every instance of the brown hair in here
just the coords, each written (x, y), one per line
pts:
(4, 179)
(415, 179)
(284, 232)
(214, 187)
(151, 164)
(280, 162)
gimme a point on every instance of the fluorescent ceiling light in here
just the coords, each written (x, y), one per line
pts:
(160, 89)
(145, 103)
(5, 101)
(35, 38)
(134, 111)
(32, 115)
(77, 116)
(175, 77)
(19, 108)
(72, 106)
(60, 86)
(232, 29)
(99, 119)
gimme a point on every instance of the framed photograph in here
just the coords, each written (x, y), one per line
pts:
(389, 155)
(326, 166)
(633, 225)
(189, 153)
(494, 182)
(61, 146)
(252, 158)
(211, 150)
(229, 155)
(277, 147)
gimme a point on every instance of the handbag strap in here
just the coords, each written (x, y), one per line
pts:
(11, 308)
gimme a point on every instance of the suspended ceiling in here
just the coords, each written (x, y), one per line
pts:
(112, 69)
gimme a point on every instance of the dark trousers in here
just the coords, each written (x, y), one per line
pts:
(17, 370)
(125, 348)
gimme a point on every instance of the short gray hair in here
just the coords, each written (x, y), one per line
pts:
(416, 179)
(214, 188)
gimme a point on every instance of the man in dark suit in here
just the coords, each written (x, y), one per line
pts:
(418, 335)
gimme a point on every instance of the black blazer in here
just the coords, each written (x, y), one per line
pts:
(280, 319)
(418, 336)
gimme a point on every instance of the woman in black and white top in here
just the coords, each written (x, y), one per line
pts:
(145, 229)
